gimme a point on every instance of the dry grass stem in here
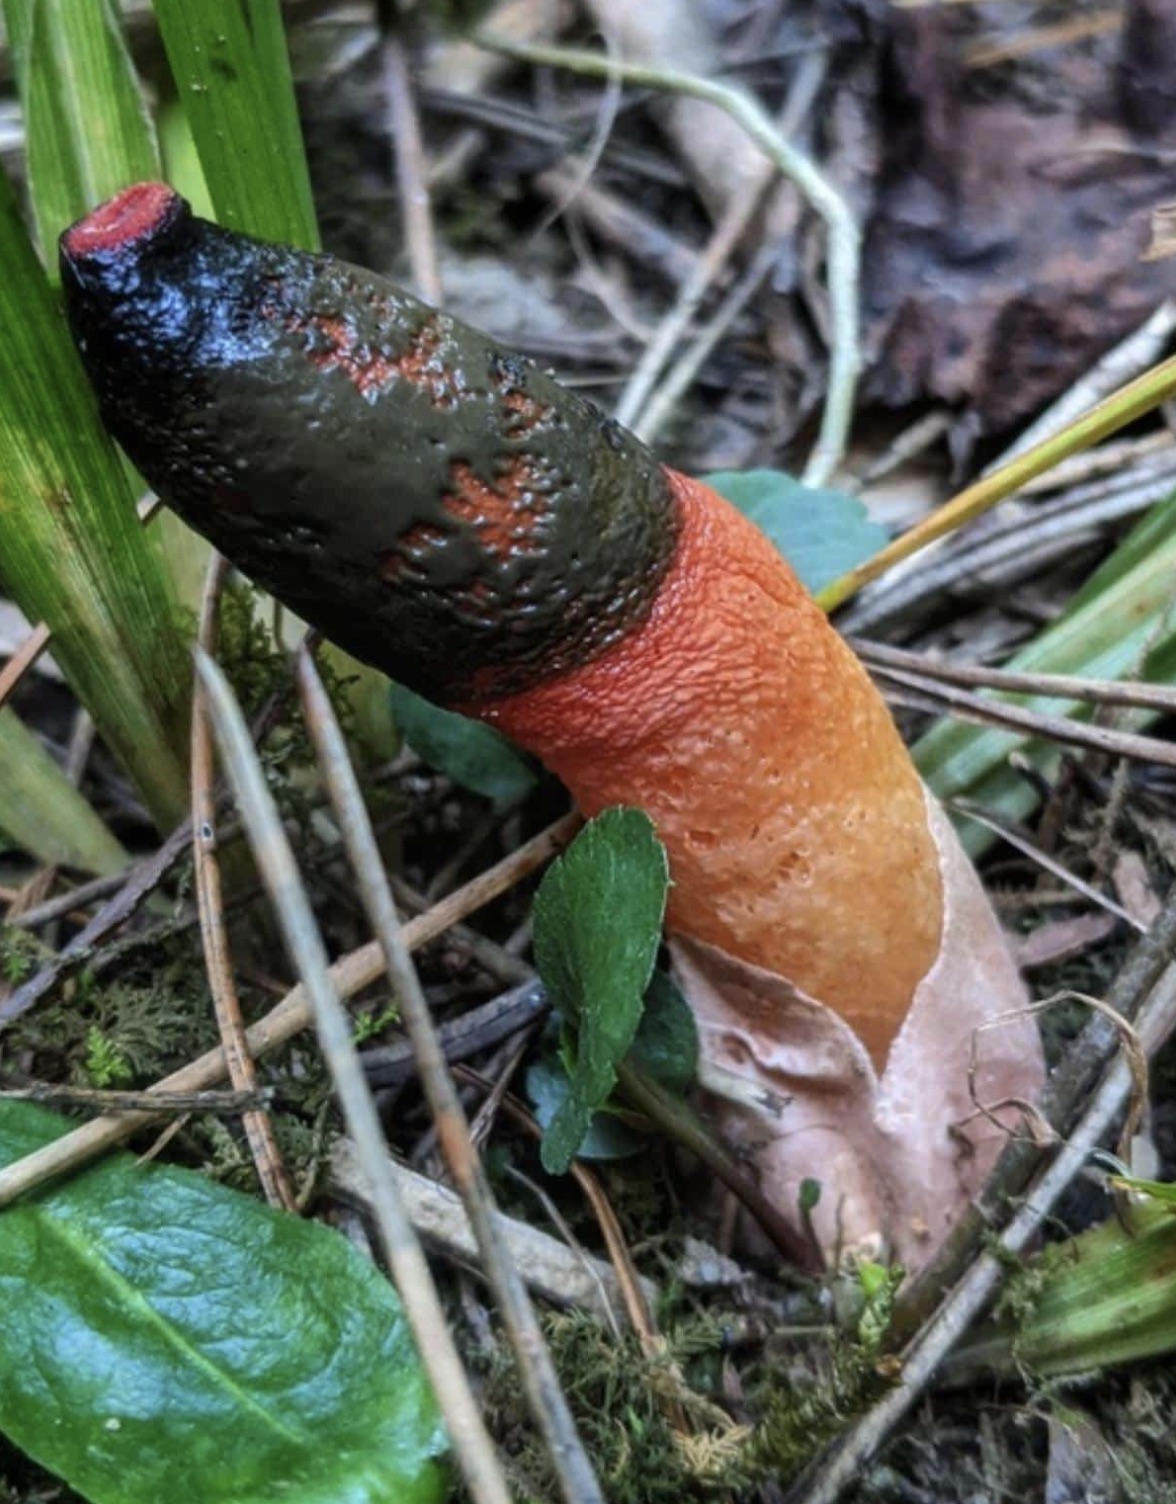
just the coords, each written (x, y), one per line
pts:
(844, 239)
(1135, 695)
(547, 1402)
(1044, 860)
(214, 934)
(1129, 403)
(962, 705)
(23, 659)
(472, 1445)
(1122, 363)
(404, 130)
(288, 1017)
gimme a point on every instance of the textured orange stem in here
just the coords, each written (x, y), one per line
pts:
(737, 718)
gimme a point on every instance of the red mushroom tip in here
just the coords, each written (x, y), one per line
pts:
(130, 216)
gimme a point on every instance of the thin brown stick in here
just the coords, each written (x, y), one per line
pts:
(1132, 693)
(404, 127)
(1043, 859)
(214, 934)
(287, 1018)
(546, 1398)
(137, 886)
(963, 705)
(23, 659)
(471, 1442)
(137, 1101)
(70, 902)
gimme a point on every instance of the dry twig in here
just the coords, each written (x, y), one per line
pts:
(22, 660)
(426, 1316)
(214, 935)
(548, 1404)
(287, 1018)
(844, 238)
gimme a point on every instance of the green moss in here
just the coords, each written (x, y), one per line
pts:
(624, 1403)
(20, 954)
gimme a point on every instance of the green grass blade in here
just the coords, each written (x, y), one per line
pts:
(86, 124)
(42, 812)
(229, 61)
(1106, 1297)
(1121, 622)
(72, 551)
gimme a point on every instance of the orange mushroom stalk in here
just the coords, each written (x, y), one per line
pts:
(452, 515)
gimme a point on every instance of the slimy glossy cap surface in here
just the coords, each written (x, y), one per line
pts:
(133, 215)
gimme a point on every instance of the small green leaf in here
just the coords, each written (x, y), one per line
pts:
(475, 756)
(810, 1195)
(822, 534)
(598, 917)
(665, 1047)
(167, 1338)
(666, 1044)
(607, 1137)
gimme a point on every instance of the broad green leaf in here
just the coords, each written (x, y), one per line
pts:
(42, 812)
(228, 58)
(822, 534)
(165, 1338)
(1121, 622)
(72, 551)
(665, 1047)
(474, 755)
(598, 917)
(86, 124)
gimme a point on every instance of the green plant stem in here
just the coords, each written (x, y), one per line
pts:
(679, 1124)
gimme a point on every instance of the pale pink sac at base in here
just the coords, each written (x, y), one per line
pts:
(898, 1155)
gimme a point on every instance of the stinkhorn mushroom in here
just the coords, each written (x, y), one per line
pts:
(449, 513)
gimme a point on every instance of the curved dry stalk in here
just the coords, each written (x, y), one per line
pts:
(404, 128)
(547, 1402)
(635, 400)
(471, 1441)
(214, 935)
(844, 239)
(962, 705)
